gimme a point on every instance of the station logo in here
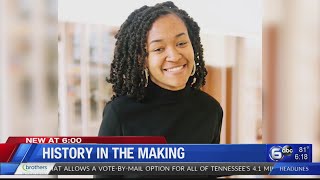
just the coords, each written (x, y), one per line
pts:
(277, 153)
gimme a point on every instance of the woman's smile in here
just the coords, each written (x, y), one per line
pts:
(175, 69)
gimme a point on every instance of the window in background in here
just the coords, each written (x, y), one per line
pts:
(87, 53)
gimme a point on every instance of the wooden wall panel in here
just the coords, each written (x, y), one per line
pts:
(214, 83)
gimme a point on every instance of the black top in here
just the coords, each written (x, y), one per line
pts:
(187, 116)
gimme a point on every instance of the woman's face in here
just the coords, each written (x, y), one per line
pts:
(170, 57)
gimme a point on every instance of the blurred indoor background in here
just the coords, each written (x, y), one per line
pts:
(263, 59)
(28, 68)
(232, 40)
(291, 71)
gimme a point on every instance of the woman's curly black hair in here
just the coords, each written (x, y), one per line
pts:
(127, 68)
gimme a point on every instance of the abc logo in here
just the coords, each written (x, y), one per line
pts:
(276, 153)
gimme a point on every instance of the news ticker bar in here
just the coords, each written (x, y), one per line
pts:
(127, 169)
(95, 153)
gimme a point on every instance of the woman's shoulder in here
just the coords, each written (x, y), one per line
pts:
(206, 99)
(120, 102)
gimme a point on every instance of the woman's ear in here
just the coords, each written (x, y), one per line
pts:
(146, 63)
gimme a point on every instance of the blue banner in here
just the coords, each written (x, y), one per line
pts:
(289, 153)
(163, 153)
(8, 168)
(286, 168)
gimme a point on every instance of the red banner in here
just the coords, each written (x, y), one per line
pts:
(7, 151)
(100, 139)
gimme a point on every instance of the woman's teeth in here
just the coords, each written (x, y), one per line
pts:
(174, 69)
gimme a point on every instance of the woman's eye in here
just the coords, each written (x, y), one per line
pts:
(158, 50)
(182, 44)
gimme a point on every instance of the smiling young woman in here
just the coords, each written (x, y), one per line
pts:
(170, 57)
(157, 72)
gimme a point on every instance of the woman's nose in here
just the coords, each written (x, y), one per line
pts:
(173, 54)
